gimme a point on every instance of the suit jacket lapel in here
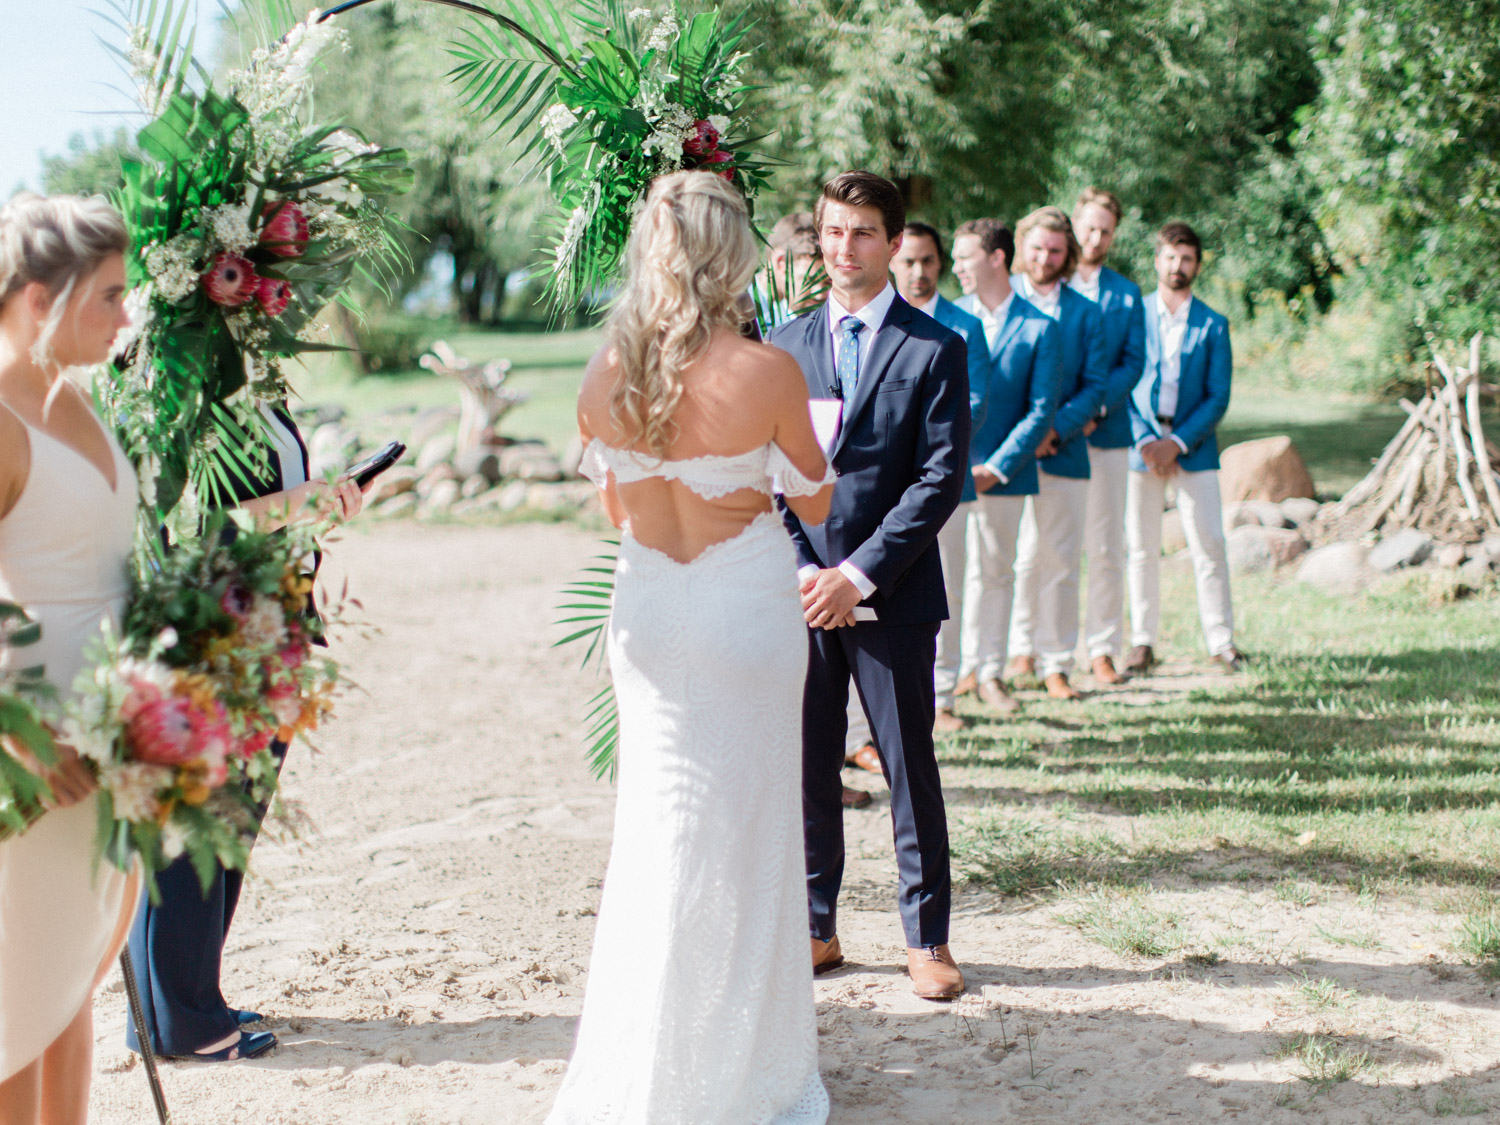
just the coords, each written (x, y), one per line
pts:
(887, 342)
(1147, 388)
(822, 377)
(1011, 326)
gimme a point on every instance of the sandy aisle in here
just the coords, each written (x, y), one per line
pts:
(422, 951)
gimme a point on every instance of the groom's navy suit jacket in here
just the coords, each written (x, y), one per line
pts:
(900, 457)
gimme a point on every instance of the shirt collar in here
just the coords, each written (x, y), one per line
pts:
(1029, 291)
(873, 314)
(930, 308)
(1178, 317)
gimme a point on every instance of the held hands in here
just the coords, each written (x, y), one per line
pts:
(1090, 426)
(71, 779)
(985, 478)
(1161, 456)
(1049, 444)
(828, 599)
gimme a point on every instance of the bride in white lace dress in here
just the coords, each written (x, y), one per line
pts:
(699, 1007)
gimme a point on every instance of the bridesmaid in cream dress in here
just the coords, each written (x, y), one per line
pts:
(67, 513)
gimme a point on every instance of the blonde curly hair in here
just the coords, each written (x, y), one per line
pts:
(56, 241)
(689, 261)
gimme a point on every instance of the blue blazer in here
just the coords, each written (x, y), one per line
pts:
(1202, 387)
(967, 325)
(1125, 349)
(1085, 371)
(1025, 368)
(899, 457)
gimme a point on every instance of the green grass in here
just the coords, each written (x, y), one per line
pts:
(1362, 750)
(1479, 938)
(1126, 924)
(1323, 1060)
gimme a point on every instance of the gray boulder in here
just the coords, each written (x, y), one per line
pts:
(435, 451)
(475, 485)
(1299, 510)
(1407, 547)
(1338, 568)
(481, 460)
(530, 460)
(1258, 513)
(443, 496)
(397, 505)
(1450, 556)
(1254, 548)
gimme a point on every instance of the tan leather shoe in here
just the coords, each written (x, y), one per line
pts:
(1104, 671)
(934, 973)
(1231, 660)
(1020, 668)
(866, 758)
(856, 798)
(1059, 688)
(826, 955)
(992, 694)
(967, 685)
(946, 722)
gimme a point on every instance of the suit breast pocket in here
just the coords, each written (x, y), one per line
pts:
(896, 386)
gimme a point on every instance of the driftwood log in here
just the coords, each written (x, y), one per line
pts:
(1438, 474)
(483, 397)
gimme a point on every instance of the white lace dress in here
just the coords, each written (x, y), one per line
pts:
(699, 1007)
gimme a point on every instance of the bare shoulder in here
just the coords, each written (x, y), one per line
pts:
(599, 379)
(767, 368)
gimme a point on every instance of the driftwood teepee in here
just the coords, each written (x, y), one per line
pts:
(483, 397)
(1438, 474)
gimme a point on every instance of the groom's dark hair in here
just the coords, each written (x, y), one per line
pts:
(865, 189)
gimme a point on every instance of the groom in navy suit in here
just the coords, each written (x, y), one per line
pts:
(871, 578)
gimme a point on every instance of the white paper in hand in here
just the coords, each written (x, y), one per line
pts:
(827, 414)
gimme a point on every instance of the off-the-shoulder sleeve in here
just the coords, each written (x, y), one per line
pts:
(593, 466)
(790, 480)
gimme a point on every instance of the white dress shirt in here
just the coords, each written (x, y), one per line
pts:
(284, 446)
(1049, 303)
(873, 315)
(930, 308)
(1172, 330)
(1087, 286)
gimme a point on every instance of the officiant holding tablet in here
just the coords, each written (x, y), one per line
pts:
(177, 944)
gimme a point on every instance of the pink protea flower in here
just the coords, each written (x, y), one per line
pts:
(703, 140)
(162, 731)
(285, 231)
(231, 281)
(237, 602)
(256, 742)
(720, 157)
(273, 296)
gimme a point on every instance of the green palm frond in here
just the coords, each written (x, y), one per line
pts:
(587, 602)
(21, 791)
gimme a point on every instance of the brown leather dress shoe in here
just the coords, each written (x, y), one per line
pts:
(1231, 660)
(992, 694)
(826, 955)
(1059, 688)
(1020, 668)
(1140, 660)
(934, 973)
(856, 798)
(946, 722)
(866, 758)
(1104, 671)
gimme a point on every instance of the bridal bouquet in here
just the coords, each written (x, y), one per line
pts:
(214, 661)
(245, 222)
(643, 92)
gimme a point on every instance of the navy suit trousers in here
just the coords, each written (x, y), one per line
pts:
(892, 669)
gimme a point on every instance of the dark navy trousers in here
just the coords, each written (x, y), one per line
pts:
(892, 669)
(177, 945)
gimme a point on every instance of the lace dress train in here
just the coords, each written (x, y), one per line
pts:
(699, 1008)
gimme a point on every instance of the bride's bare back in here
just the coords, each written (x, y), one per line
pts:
(738, 397)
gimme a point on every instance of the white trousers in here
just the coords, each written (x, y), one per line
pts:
(1202, 525)
(1104, 547)
(989, 584)
(953, 547)
(1045, 621)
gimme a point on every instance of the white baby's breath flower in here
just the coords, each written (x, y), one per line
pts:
(555, 122)
(578, 222)
(134, 787)
(230, 223)
(173, 267)
(664, 34)
(669, 128)
(636, 14)
(719, 122)
(137, 311)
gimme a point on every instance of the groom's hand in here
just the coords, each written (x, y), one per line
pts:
(828, 599)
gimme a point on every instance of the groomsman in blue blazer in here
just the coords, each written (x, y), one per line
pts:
(1024, 347)
(1044, 623)
(917, 268)
(1174, 411)
(1095, 220)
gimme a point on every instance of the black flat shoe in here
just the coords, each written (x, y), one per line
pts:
(252, 1045)
(242, 1017)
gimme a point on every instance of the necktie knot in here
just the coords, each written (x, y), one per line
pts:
(850, 325)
